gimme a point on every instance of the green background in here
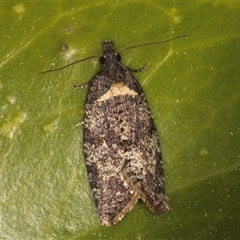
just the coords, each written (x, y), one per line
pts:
(192, 86)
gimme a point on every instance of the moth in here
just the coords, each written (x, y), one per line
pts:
(121, 144)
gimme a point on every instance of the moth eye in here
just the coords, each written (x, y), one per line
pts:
(102, 59)
(118, 56)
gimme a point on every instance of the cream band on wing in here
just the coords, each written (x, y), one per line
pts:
(116, 89)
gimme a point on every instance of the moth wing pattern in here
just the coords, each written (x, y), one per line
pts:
(121, 144)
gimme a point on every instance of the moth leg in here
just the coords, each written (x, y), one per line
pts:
(140, 69)
(80, 86)
(79, 124)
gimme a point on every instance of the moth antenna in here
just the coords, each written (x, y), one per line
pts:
(153, 43)
(70, 64)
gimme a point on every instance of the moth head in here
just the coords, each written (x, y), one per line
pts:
(104, 57)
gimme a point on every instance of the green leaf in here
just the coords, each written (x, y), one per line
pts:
(192, 86)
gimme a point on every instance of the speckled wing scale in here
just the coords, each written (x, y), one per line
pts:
(121, 144)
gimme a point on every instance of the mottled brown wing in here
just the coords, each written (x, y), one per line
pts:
(107, 145)
(121, 147)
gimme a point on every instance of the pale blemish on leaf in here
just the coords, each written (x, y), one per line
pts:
(19, 8)
(11, 99)
(51, 127)
(11, 125)
(176, 18)
(203, 152)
